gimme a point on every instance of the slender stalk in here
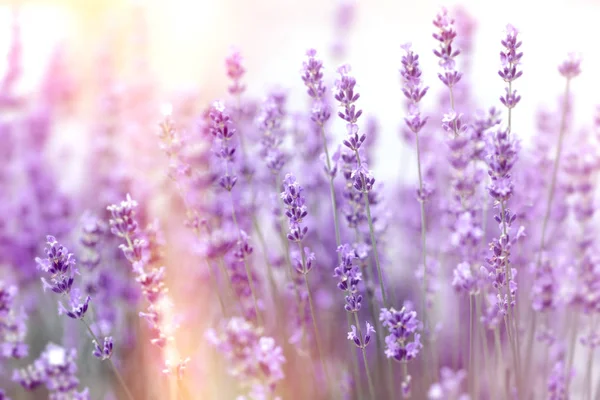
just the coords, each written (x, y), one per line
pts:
(270, 275)
(499, 357)
(373, 240)
(364, 354)
(112, 365)
(471, 373)
(485, 350)
(331, 189)
(590, 361)
(315, 327)
(423, 234)
(561, 134)
(380, 336)
(355, 370)
(246, 267)
(337, 238)
(572, 349)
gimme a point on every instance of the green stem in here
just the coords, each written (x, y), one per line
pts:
(332, 190)
(112, 365)
(314, 321)
(364, 354)
(247, 268)
(373, 240)
(471, 373)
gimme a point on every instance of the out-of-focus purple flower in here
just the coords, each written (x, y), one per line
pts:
(312, 76)
(122, 222)
(12, 324)
(56, 368)
(235, 72)
(269, 122)
(571, 67)
(449, 386)
(254, 360)
(544, 288)
(464, 281)
(557, 382)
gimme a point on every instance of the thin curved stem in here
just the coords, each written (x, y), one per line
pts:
(364, 354)
(112, 365)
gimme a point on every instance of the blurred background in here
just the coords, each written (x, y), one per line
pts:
(94, 75)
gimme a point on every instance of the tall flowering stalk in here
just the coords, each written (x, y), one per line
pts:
(414, 91)
(159, 313)
(296, 210)
(312, 76)
(363, 180)
(223, 131)
(569, 69)
(349, 277)
(59, 265)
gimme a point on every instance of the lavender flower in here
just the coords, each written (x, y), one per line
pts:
(313, 79)
(269, 122)
(510, 58)
(296, 210)
(12, 324)
(253, 360)
(446, 52)
(571, 67)
(57, 370)
(403, 340)
(60, 265)
(235, 72)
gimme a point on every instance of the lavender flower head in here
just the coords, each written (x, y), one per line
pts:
(312, 76)
(446, 52)
(403, 340)
(296, 210)
(510, 58)
(222, 130)
(60, 265)
(413, 89)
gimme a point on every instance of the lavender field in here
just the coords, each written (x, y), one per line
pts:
(271, 200)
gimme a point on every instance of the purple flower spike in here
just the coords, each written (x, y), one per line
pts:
(235, 72)
(401, 326)
(312, 76)
(446, 52)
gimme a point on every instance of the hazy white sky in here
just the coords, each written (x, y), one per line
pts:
(189, 40)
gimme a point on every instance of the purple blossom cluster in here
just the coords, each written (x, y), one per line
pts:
(253, 359)
(56, 369)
